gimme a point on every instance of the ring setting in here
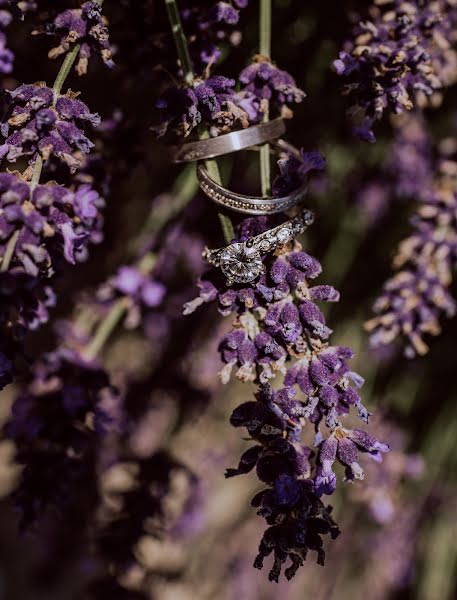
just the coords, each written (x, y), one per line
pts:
(241, 262)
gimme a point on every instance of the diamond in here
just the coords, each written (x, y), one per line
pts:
(264, 246)
(240, 263)
(283, 235)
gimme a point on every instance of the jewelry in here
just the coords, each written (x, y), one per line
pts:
(229, 142)
(252, 205)
(241, 262)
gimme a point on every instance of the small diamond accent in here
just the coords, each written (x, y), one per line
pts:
(283, 235)
(264, 246)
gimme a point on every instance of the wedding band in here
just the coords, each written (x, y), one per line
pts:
(241, 262)
(229, 142)
(252, 205)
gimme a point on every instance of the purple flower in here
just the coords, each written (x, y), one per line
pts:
(50, 221)
(138, 286)
(294, 170)
(44, 128)
(417, 295)
(396, 59)
(85, 26)
(6, 56)
(207, 26)
(280, 329)
(265, 81)
(211, 101)
(56, 425)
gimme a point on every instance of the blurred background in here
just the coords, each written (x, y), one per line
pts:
(398, 526)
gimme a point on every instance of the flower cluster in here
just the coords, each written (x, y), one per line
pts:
(397, 59)
(294, 169)
(24, 304)
(139, 290)
(56, 424)
(279, 329)
(212, 101)
(46, 223)
(85, 26)
(43, 225)
(6, 55)
(265, 83)
(417, 296)
(406, 173)
(46, 126)
(207, 26)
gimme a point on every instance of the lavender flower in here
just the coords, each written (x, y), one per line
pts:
(417, 296)
(49, 222)
(279, 328)
(294, 170)
(6, 56)
(46, 128)
(56, 424)
(207, 26)
(139, 289)
(24, 304)
(392, 61)
(211, 101)
(265, 82)
(85, 26)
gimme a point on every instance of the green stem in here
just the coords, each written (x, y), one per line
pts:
(180, 40)
(106, 327)
(64, 71)
(182, 49)
(227, 228)
(38, 167)
(9, 252)
(343, 249)
(265, 50)
(265, 28)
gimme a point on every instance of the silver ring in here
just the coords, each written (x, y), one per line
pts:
(241, 262)
(252, 205)
(229, 142)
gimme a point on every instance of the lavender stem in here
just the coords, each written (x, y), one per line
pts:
(265, 50)
(64, 71)
(105, 328)
(180, 41)
(186, 64)
(9, 252)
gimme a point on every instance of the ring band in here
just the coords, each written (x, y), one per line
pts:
(241, 262)
(229, 142)
(252, 205)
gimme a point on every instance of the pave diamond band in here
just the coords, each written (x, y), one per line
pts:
(228, 142)
(241, 262)
(252, 205)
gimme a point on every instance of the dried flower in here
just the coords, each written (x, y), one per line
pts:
(49, 222)
(417, 296)
(56, 424)
(279, 328)
(46, 128)
(85, 26)
(212, 101)
(266, 82)
(394, 61)
(207, 26)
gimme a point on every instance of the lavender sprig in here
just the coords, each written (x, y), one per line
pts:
(280, 330)
(396, 60)
(417, 296)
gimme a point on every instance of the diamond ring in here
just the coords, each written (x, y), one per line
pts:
(241, 262)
